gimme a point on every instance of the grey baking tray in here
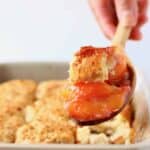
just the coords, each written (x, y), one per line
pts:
(37, 71)
(40, 71)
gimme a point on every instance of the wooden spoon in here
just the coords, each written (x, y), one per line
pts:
(121, 36)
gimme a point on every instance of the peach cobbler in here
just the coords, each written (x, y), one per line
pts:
(35, 113)
(91, 107)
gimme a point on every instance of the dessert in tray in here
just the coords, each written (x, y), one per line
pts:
(91, 107)
(34, 113)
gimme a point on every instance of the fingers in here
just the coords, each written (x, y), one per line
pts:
(132, 13)
(105, 16)
(109, 12)
(136, 34)
(142, 13)
(142, 19)
(127, 12)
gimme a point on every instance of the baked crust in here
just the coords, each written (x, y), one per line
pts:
(31, 113)
(15, 95)
(88, 64)
(49, 122)
(46, 132)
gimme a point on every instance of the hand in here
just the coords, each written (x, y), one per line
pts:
(109, 12)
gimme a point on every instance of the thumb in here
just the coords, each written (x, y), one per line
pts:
(127, 12)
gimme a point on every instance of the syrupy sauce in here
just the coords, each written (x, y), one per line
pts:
(96, 101)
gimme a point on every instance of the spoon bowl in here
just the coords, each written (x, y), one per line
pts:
(126, 101)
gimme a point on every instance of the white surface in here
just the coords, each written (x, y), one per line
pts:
(54, 29)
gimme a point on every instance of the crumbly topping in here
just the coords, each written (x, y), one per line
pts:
(115, 131)
(46, 132)
(15, 95)
(31, 113)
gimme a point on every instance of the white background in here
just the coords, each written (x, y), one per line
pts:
(54, 29)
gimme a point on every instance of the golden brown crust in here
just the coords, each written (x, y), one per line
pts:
(49, 122)
(97, 62)
(9, 125)
(50, 100)
(46, 132)
(14, 96)
(49, 88)
(45, 120)
(92, 64)
(17, 93)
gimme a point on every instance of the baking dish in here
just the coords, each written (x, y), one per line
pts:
(40, 71)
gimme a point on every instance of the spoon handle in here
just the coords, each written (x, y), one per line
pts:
(121, 36)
